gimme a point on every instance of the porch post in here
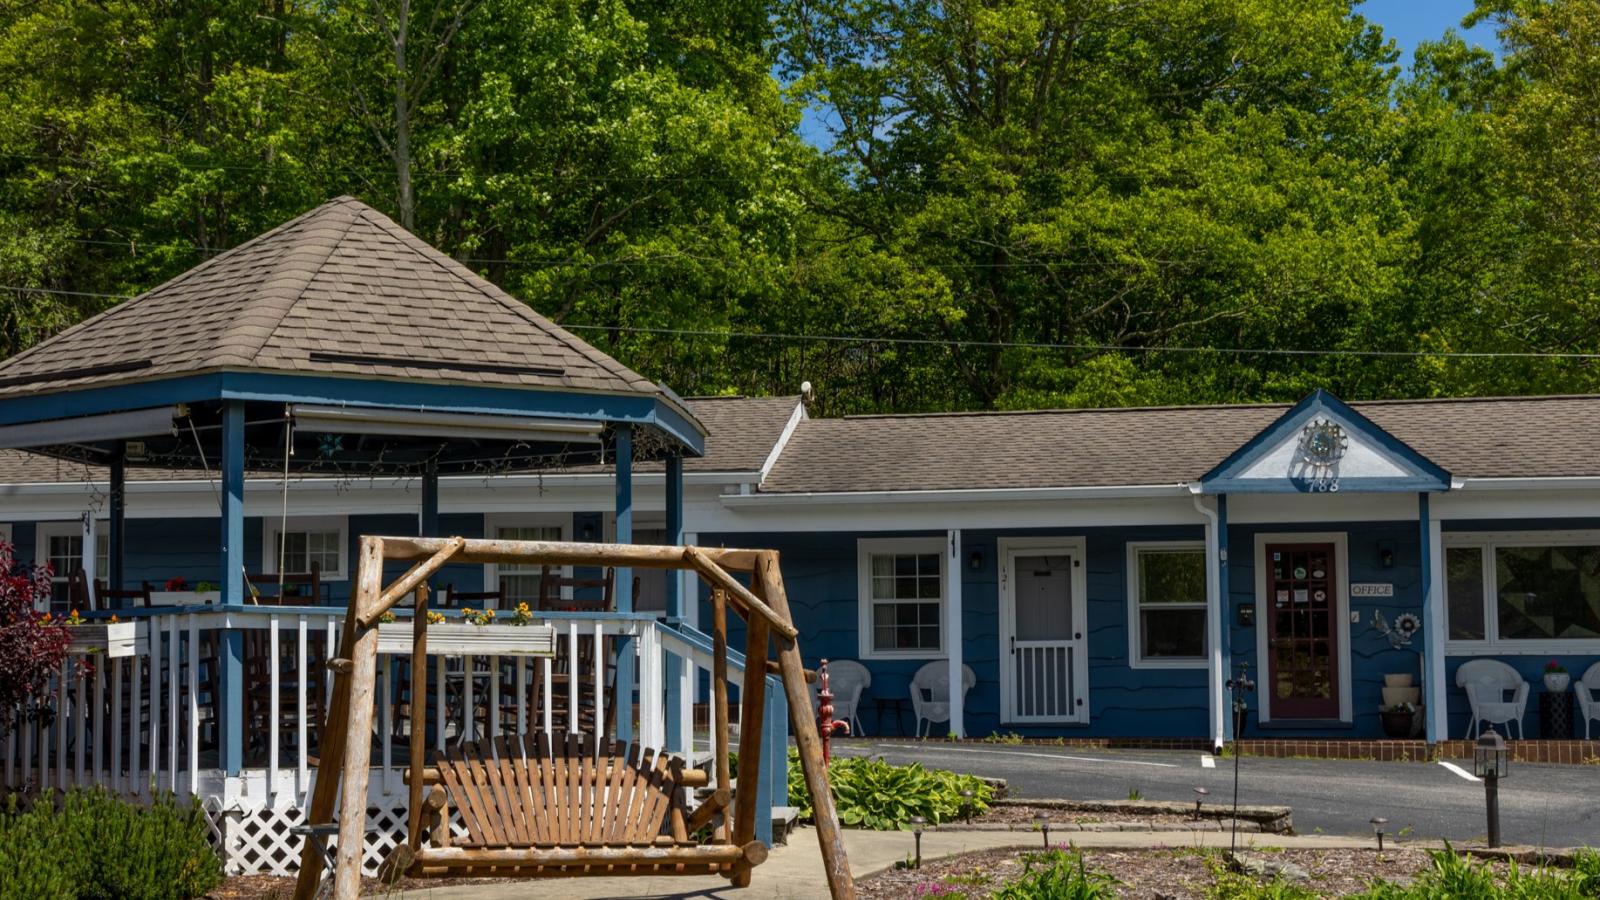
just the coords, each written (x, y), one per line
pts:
(1223, 659)
(624, 581)
(429, 519)
(1433, 678)
(952, 582)
(230, 702)
(674, 532)
(674, 666)
(118, 513)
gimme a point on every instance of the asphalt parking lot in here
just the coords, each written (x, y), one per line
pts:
(1539, 804)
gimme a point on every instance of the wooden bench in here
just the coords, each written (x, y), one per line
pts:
(534, 806)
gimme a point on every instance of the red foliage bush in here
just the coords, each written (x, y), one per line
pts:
(32, 645)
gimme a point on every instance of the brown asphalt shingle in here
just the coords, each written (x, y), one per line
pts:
(342, 278)
(1533, 437)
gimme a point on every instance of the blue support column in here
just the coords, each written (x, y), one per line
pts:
(116, 531)
(674, 667)
(1226, 602)
(624, 575)
(774, 782)
(230, 709)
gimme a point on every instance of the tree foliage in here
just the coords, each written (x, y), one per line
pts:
(1003, 203)
(32, 645)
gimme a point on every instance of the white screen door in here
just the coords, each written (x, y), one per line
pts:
(1043, 636)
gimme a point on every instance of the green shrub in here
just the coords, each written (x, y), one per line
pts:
(1453, 875)
(871, 793)
(1058, 875)
(97, 845)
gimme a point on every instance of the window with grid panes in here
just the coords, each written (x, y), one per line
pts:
(1170, 596)
(906, 593)
(60, 546)
(302, 549)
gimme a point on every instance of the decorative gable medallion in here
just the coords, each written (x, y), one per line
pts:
(1323, 446)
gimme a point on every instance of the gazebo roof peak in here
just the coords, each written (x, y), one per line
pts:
(340, 291)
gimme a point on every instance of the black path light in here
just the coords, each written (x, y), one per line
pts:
(1042, 822)
(967, 796)
(1491, 762)
(1199, 798)
(1239, 686)
(917, 823)
(1378, 825)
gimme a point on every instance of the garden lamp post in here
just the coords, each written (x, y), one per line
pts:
(967, 797)
(1042, 822)
(917, 823)
(1377, 828)
(1489, 762)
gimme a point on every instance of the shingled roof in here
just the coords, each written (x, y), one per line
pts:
(341, 290)
(1523, 437)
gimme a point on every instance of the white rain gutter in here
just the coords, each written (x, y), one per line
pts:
(1563, 483)
(962, 495)
(1215, 613)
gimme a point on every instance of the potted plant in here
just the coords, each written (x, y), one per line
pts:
(1398, 719)
(1556, 678)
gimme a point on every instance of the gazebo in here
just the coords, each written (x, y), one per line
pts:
(337, 344)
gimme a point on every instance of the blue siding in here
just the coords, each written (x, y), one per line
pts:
(1370, 653)
(819, 571)
(1529, 665)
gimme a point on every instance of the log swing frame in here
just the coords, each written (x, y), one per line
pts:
(345, 735)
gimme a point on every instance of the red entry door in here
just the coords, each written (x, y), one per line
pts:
(1302, 632)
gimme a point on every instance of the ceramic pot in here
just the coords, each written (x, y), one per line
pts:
(1556, 682)
(1397, 681)
(1396, 724)
(1394, 696)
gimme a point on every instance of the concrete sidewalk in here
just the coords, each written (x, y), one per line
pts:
(794, 872)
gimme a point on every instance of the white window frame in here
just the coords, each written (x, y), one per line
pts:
(271, 526)
(1492, 643)
(43, 531)
(866, 548)
(1136, 658)
(494, 521)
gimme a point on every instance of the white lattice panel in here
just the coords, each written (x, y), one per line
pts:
(258, 842)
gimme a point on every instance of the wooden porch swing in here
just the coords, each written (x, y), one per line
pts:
(564, 804)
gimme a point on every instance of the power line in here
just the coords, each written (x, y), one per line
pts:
(1006, 345)
(689, 257)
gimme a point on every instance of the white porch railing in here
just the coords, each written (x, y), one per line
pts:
(160, 720)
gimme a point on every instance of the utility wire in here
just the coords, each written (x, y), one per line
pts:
(1017, 345)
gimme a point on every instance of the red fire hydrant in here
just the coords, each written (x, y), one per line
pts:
(826, 726)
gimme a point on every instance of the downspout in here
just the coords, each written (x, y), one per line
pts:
(1216, 670)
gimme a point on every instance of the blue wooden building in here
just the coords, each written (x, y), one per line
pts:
(1100, 573)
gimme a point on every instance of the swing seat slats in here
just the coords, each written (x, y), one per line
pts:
(561, 804)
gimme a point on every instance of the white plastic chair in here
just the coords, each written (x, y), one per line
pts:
(1588, 690)
(1486, 682)
(930, 693)
(847, 679)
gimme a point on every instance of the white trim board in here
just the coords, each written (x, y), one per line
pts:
(1341, 615)
(1492, 644)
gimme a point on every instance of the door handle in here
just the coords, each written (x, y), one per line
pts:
(1013, 646)
(1077, 635)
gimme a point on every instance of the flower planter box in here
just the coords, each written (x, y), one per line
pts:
(114, 639)
(463, 639)
(185, 598)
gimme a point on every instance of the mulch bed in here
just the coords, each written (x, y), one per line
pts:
(1177, 873)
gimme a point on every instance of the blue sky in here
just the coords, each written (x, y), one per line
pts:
(1411, 21)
